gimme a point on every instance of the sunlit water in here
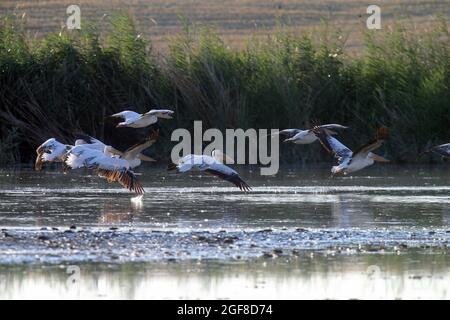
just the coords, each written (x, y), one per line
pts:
(383, 233)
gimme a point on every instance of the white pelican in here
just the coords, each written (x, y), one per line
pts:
(212, 165)
(442, 150)
(113, 169)
(349, 161)
(134, 154)
(136, 120)
(51, 151)
(299, 136)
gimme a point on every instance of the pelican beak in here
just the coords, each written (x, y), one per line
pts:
(378, 158)
(146, 158)
(165, 116)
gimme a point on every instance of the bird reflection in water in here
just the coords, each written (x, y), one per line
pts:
(112, 214)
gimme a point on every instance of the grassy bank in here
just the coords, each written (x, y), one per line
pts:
(69, 82)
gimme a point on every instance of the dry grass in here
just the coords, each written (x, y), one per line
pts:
(234, 20)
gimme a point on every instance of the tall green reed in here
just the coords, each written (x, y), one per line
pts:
(72, 81)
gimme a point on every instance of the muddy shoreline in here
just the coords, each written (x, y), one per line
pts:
(51, 245)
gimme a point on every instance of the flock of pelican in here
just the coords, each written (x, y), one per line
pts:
(117, 166)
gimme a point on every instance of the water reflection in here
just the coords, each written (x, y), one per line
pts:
(348, 211)
(312, 278)
(296, 199)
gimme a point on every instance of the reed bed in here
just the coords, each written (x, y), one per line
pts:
(71, 81)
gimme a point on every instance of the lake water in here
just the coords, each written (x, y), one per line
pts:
(382, 233)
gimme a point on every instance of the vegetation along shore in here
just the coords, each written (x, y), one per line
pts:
(70, 81)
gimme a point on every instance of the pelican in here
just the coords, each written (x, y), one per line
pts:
(136, 120)
(113, 169)
(299, 136)
(442, 150)
(51, 151)
(134, 154)
(211, 164)
(349, 161)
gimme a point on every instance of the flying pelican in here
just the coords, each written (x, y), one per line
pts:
(134, 154)
(299, 136)
(51, 151)
(442, 150)
(212, 165)
(136, 120)
(113, 169)
(349, 161)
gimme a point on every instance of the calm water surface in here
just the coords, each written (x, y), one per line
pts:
(381, 234)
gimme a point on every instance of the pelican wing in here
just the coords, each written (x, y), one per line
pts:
(289, 133)
(211, 166)
(102, 161)
(112, 169)
(126, 179)
(88, 139)
(135, 150)
(443, 150)
(333, 145)
(157, 112)
(373, 144)
(232, 177)
(128, 116)
(332, 126)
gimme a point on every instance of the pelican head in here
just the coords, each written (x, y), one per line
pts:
(221, 157)
(47, 145)
(163, 114)
(79, 142)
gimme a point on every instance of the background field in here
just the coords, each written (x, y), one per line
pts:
(234, 20)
